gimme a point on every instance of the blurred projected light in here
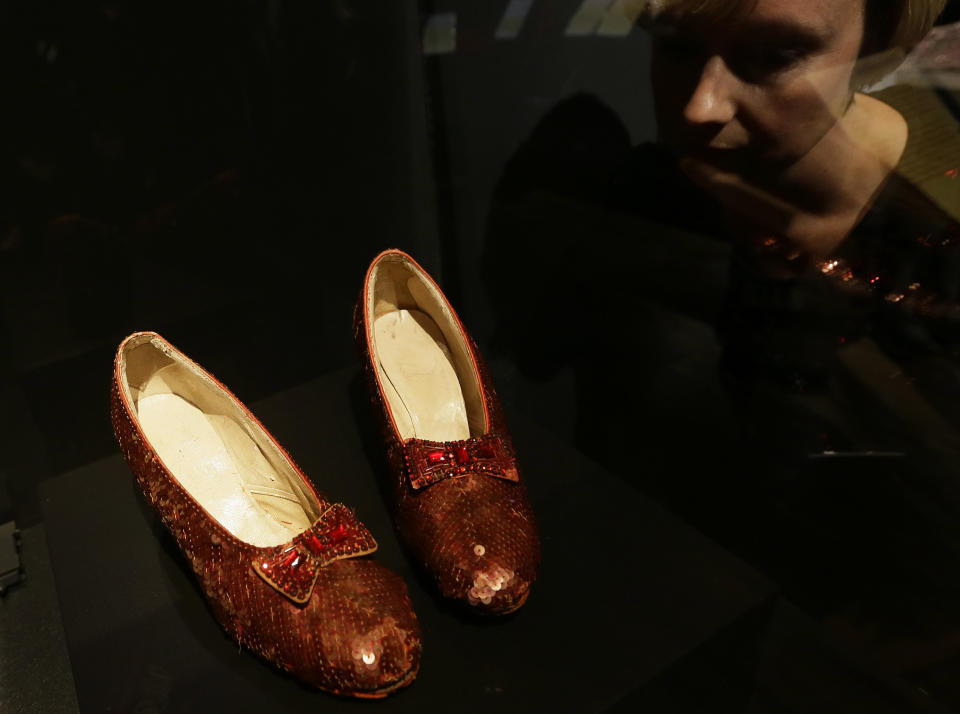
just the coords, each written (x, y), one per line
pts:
(440, 34)
(47, 52)
(588, 17)
(606, 18)
(513, 18)
(618, 21)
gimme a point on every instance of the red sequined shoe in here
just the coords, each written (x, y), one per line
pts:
(460, 503)
(280, 565)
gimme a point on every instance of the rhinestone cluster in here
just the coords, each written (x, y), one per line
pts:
(428, 462)
(293, 568)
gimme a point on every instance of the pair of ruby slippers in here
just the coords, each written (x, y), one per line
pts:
(282, 566)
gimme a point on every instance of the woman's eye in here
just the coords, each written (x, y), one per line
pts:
(677, 46)
(760, 61)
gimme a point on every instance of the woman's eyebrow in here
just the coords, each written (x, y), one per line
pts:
(777, 30)
(780, 30)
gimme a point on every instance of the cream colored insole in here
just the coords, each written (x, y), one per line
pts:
(421, 383)
(222, 468)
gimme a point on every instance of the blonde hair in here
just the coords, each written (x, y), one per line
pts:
(889, 24)
(913, 21)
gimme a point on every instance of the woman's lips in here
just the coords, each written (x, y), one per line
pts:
(734, 161)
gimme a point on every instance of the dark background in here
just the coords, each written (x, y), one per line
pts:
(218, 172)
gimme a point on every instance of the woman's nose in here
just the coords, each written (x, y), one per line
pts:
(712, 101)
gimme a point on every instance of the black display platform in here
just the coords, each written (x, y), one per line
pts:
(625, 589)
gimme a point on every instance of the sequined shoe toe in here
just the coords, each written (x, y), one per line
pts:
(460, 502)
(284, 570)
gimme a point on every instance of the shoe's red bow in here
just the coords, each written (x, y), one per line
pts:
(430, 461)
(292, 569)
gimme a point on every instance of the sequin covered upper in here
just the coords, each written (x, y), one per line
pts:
(348, 627)
(462, 506)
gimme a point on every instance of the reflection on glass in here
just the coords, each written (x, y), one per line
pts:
(440, 33)
(512, 21)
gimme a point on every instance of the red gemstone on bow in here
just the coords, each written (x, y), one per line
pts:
(315, 544)
(293, 569)
(484, 451)
(339, 534)
(431, 461)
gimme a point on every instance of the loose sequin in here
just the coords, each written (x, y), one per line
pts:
(487, 583)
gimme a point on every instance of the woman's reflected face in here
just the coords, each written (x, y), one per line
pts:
(757, 92)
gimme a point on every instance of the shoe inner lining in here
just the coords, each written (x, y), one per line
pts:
(425, 365)
(212, 449)
(421, 385)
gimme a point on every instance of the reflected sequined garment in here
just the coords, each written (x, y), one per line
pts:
(916, 270)
(895, 275)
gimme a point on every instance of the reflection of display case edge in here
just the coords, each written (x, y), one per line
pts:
(11, 568)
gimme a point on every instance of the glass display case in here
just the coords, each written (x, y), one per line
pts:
(687, 278)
